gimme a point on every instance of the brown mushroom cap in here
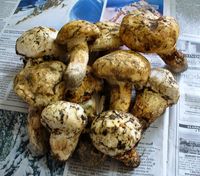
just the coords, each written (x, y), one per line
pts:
(109, 37)
(145, 31)
(77, 29)
(123, 66)
(41, 84)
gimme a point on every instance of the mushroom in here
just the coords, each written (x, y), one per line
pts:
(39, 42)
(76, 35)
(148, 32)
(38, 135)
(114, 133)
(109, 37)
(162, 91)
(41, 84)
(65, 121)
(122, 69)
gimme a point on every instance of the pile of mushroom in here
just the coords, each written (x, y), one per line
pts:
(84, 104)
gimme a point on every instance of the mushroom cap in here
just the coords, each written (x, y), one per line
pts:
(115, 132)
(109, 37)
(149, 105)
(41, 84)
(123, 66)
(39, 42)
(77, 29)
(84, 92)
(163, 82)
(64, 117)
(147, 32)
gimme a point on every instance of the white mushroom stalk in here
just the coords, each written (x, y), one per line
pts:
(123, 70)
(148, 32)
(39, 42)
(65, 121)
(75, 36)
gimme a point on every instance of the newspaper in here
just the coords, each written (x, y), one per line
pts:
(169, 147)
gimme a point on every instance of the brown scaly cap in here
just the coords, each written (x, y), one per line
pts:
(148, 32)
(76, 29)
(123, 66)
(109, 37)
(41, 84)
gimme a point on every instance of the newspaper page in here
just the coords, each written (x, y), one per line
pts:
(187, 14)
(184, 129)
(15, 157)
(184, 136)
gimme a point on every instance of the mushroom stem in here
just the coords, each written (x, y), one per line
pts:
(120, 97)
(130, 158)
(175, 60)
(38, 135)
(76, 70)
(62, 147)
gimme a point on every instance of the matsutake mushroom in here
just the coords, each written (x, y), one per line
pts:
(148, 32)
(161, 92)
(65, 122)
(122, 69)
(75, 35)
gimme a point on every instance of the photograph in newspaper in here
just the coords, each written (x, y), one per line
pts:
(117, 9)
(54, 13)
